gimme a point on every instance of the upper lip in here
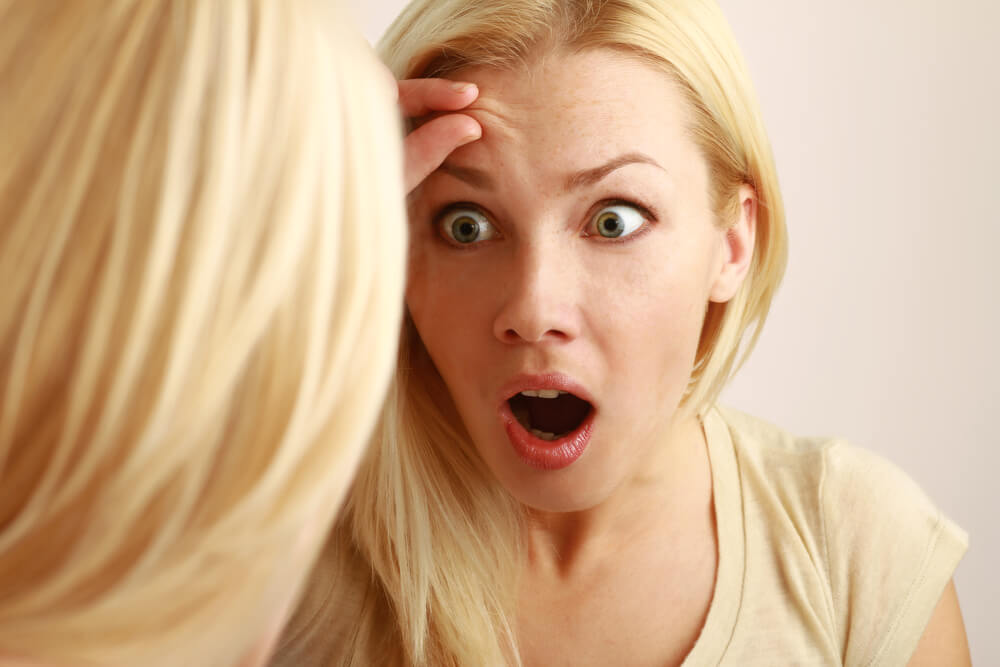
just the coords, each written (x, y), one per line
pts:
(536, 381)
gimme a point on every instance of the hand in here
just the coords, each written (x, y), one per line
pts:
(428, 145)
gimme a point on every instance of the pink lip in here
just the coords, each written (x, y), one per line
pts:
(546, 454)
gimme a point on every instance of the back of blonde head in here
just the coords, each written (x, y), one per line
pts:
(201, 252)
(425, 516)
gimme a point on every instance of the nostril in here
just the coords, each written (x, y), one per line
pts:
(514, 336)
(511, 336)
(515, 327)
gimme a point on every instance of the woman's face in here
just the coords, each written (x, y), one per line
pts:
(571, 249)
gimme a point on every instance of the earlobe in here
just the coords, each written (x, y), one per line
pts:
(738, 246)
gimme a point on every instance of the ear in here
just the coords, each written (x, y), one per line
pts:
(737, 249)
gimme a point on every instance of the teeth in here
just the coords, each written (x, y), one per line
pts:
(543, 393)
(543, 435)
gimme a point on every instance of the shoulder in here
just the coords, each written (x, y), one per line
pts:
(776, 467)
(879, 545)
(892, 553)
(847, 483)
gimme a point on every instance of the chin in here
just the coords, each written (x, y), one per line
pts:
(575, 488)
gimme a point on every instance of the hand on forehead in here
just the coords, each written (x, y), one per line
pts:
(430, 106)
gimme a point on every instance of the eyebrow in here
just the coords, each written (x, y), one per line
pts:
(592, 176)
(479, 178)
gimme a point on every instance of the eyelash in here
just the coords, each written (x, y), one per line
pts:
(647, 212)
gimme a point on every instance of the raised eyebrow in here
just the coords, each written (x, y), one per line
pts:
(591, 176)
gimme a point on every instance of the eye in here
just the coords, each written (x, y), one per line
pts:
(616, 221)
(466, 226)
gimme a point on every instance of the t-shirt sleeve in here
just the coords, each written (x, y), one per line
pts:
(891, 553)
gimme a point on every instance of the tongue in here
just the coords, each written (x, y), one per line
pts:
(557, 415)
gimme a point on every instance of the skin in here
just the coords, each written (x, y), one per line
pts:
(944, 641)
(543, 292)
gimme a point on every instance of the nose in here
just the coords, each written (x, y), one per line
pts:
(539, 303)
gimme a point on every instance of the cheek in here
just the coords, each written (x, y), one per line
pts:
(659, 334)
(651, 323)
(446, 311)
(425, 281)
(441, 312)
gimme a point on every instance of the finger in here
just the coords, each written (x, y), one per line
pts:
(390, 78)
(429, 145)
(418, 97)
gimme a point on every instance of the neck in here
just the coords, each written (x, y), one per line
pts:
(668, 495)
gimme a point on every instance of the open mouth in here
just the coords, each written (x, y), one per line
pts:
(549, 414)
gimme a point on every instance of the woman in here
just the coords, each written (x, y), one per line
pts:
(201, 251)
(552, 482)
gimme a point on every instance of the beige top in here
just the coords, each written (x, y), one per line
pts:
(828, 554)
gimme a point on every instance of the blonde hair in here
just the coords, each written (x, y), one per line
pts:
(425, 517)
(202, 244)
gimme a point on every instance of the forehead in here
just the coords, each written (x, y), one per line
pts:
(563, 112)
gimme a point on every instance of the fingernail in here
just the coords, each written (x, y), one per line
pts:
(470, 138)
(461, 86)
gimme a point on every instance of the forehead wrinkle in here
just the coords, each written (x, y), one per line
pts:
(492, 115)
(516, 116)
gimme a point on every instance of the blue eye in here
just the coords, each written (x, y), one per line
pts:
(466, 226)
(616, 221)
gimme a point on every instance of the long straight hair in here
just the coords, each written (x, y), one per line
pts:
(432, 541)
(202, 247)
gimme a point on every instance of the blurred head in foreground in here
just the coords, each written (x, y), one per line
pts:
(202, 253)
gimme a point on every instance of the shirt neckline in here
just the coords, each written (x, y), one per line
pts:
(727, 500)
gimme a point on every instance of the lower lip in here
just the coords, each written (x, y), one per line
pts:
(547, 454)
